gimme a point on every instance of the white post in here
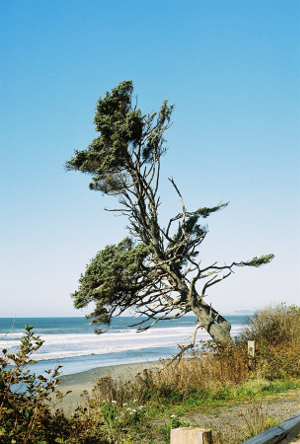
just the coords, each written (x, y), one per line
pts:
(251, 354)
(251, 348)
(191, 435)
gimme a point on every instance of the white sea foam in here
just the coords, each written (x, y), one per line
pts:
(59, 346)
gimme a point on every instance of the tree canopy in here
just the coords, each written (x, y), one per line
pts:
(155, 270)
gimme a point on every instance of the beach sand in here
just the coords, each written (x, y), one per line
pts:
(79, 382)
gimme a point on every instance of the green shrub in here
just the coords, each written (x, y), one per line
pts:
(275, 325)
(276, 331)
(26, 411)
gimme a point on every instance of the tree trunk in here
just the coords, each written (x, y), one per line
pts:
(208, 318)
(218, 328)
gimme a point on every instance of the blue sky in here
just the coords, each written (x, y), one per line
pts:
(232, 70)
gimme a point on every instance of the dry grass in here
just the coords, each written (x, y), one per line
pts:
(275, 325)
(209, 365)
(251, 420)
(276, 331)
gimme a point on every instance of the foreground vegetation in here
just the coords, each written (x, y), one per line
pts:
(144, 410)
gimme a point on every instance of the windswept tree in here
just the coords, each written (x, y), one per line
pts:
(154, 271)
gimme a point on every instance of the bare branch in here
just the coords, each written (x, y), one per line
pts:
(183, 349)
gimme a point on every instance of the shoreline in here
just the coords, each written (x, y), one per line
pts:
(85, 381)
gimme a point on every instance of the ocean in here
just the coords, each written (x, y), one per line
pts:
(72, 342)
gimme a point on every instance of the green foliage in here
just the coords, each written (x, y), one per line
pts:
(276, 331)
(205, 211)
(112, 280)
(277, 325)
(257, 262)
(27, 414)
(192, 231)
(123, 130)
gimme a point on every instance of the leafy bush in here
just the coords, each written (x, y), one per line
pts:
(26, 411)
(275, 325)
(276, 331)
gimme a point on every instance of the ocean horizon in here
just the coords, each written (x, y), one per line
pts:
(71, 341)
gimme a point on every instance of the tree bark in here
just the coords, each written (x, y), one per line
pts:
(218, 329)
(208, 318)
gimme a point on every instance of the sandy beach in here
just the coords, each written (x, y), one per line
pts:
(79, 382)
